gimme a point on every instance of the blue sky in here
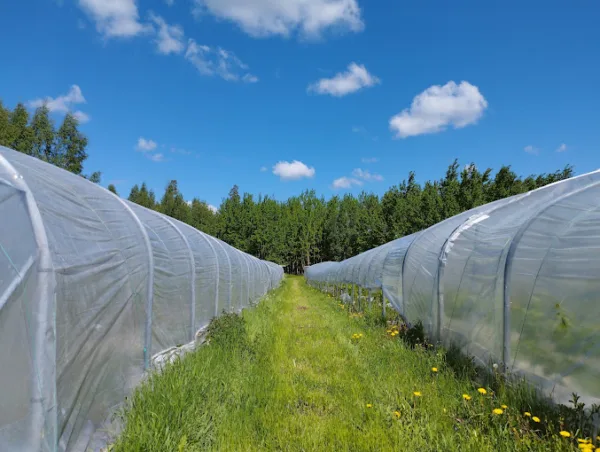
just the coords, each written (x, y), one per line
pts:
(281, 96)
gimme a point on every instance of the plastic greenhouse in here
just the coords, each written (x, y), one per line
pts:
(92, 288)
(514, 282)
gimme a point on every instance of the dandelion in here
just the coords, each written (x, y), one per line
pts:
(482, 391)
(417, 393)
(527, 413)
(467, 397)
(565, 434)
(397, 414)
(434, 369)
(369, 405)
(503, 407)
(497, 411)
(535, 419)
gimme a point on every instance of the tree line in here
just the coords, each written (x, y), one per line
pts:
(301, 230)
(37, 136)
(308, 229)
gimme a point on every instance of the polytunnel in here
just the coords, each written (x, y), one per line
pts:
(92, 287)
(515, 282)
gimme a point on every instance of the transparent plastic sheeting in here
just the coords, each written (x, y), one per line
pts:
(513, 282)
(91, 287)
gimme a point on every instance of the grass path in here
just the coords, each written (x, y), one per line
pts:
(288, 375)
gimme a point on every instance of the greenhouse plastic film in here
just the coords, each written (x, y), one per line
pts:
(104, 285)
(513, 282)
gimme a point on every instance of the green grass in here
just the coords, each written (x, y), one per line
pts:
(288, 375)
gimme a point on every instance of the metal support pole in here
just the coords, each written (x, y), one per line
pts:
(383, 303)
(370, 295)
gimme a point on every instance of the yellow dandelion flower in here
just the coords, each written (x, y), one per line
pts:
(397, 414)
(466, 397)
(388, 331)
(579, 440)
(417, 394)
(503, 407)
(497, 411)
(527, 413)
(482, 391)
(369, 405)
(565, 434)
(434, 369)
(535, 419)
(586, 446)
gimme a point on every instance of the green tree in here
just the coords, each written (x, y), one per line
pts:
(202, 217)
(22, 135)
(6, 128)
(173, 204)
(112, 189)
(43, 135)
(70, 146)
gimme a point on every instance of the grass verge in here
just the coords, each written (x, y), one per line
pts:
(299, 372)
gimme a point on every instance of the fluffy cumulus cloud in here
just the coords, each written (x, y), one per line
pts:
(530, 149)
(354, 79)
(562, 148)
(366, 175)
(436, 108)
(293, 170)
(217, 61)
(114, 18)
(346, 182)
(144, 145)
(169, 38)
(260, 18)
(64, 103)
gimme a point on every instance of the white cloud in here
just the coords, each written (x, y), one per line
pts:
(263, 169)
(158, 157)
(438, 107)
(562, 148)
(64, 103)
(170, 2)
(169, 38)
(81, 117)
(145, 145)
(355, 78)
(531, 150)
(359, 129)
(366, 175)
(293, 170)
(370, 159)
(114, 18)
(345, 182)
(212, 208)
(261, 18)
(217, 61)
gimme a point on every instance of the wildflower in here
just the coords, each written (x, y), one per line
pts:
(369, 405)
(397, 414)
(565, 434)
(434, 369)
(535, 419)
(579, 440)
(497, 411)
(482, 391)
(466, 397)
(527, 413)
(417, 394)
(503, 407)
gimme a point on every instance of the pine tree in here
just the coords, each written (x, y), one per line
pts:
(112, 189)
(70, 146)
(6, 128)
(43, 134)
(22, 135)
(173, 204)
